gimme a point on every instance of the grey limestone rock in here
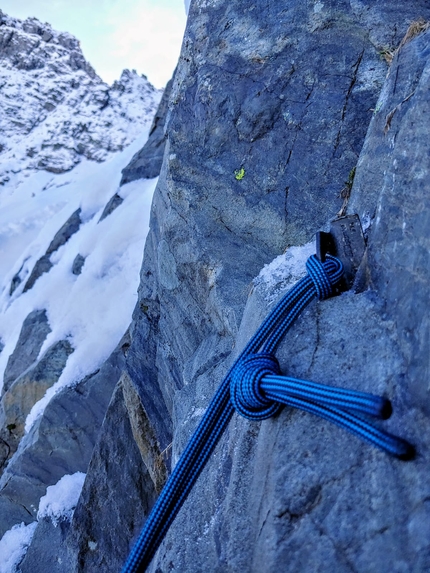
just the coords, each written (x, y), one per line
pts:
(35, 329)
(77, 265)
(70, 227)
(44, 265)
(48, 550)
(109, 505)
(295, 493)
(31, 386)
(111, 205)
(60, 442)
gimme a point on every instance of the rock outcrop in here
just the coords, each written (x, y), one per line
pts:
(280, 117)
(304, 87)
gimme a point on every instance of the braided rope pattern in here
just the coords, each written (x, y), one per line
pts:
(255, 387)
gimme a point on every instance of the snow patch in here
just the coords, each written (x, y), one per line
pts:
(14, 545)
(284, 271)
(60, 499)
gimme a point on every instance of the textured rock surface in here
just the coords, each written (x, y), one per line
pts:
(292, 493)
(94, 539)
(34, 330)
(60, 442)
(146, 164)
(41, 553)
(77, 265)
(44, 265)
(31, 386)
(268, 114)
(304, 495)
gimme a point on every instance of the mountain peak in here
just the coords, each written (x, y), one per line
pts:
(31, 45)
(54, 109)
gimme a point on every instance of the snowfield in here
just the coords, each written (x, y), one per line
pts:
(93, 309)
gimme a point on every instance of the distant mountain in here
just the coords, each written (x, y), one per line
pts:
(54, 108)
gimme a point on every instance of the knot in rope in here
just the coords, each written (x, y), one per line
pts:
(324, 275)
(245, 386)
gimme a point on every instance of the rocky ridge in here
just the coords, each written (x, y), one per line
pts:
(54, 109)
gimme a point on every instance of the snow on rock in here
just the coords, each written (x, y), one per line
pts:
(65, 137)
(105, 293)
(58, 504)
(61, 499)
(284, 271)
(13, 546)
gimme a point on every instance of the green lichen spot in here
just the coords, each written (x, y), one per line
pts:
(239, 174)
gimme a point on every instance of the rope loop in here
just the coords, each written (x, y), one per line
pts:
(324, 275)
(245, 386)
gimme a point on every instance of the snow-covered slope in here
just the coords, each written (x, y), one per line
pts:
(105, 291)
(71, 244)
(65, 137)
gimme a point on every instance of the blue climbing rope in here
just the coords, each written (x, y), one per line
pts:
(255, 387)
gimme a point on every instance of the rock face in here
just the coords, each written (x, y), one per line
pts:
(292, 493)
(31, 386)
(272, 106)
(60, 442)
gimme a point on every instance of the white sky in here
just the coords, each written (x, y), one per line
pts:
(144, 35)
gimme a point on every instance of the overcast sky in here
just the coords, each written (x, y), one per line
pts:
(144, 35)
